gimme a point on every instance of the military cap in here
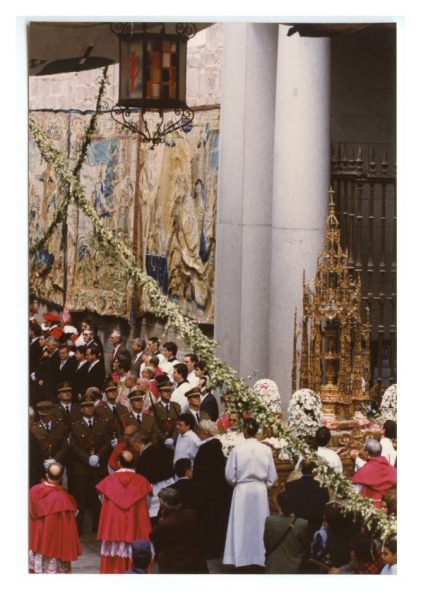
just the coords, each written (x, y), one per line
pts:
(193, 392)
(135, 395)
(87, 403)
(111, 385)
(44, 407)
(64, 386)
(164, 386)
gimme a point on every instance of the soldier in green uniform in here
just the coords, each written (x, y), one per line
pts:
(113, 414)
(165, 412)
(90, 448)
(50, 435)
(144, 421)
(66, 410)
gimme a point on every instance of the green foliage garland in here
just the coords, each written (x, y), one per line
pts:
(61, 213)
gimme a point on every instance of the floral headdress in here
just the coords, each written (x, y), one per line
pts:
(388, 405)
(305, 413)
(268, 392)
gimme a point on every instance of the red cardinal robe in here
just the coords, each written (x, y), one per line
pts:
(124, 517)
(376, 477)
(52, 525)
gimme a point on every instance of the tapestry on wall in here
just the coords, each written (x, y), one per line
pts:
(160, 202)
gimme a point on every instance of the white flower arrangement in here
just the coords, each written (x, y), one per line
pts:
(388, 406)
(281, 445)
(305, 413)
(229, 439)
(268, 392)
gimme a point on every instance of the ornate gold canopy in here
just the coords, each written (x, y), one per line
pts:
(335, 345)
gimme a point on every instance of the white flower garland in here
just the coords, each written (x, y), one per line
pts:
(243, 398)
(388, 406)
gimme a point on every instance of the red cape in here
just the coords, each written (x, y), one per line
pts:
(52, 525)
(124, 513)
(376, 477)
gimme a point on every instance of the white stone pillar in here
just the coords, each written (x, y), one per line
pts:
(244, 209)
(300, 187)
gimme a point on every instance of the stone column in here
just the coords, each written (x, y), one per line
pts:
(244, 209)
(300, 187)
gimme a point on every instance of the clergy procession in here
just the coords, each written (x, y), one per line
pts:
(132, 448)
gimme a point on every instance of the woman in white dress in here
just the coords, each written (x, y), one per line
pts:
(251, 470)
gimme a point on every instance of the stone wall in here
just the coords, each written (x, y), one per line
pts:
(204, 60)
(78, 91)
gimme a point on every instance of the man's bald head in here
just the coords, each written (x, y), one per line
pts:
(55, 472)
(373, 447)
(126, 460)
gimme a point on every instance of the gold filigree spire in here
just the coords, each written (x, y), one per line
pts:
(334, 343)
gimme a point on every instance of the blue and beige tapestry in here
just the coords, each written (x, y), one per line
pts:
(161, 202)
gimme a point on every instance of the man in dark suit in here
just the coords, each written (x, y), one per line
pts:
(176, 537)
(95, 374)
(67, 365)
(38, 376)
(118, 348)
(154, 461)
(35, 352)
(79, 376)
(51, 369)
(89, 448)
(138, 346)
(209, 403)
(91, 338)
(35, 349)
(308, 498)
(212, 491)
(185, 485)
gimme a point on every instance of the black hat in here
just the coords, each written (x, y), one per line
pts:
(159, 379)
(163, 382)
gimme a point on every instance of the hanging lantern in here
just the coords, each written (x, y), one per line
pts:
(153, 78)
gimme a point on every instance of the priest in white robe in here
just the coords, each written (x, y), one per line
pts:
(251, 470)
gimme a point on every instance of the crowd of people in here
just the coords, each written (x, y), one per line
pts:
(132, 443)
